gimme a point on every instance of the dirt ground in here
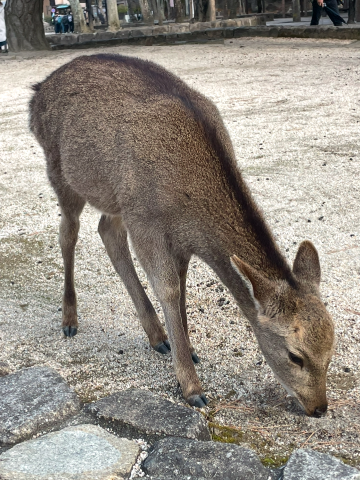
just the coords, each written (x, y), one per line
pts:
(292, 109)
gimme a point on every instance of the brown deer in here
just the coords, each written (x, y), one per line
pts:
(154, 156)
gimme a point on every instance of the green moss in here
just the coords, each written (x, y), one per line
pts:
(223, 434)
(349, 461)
(274, 462)
(254, 440)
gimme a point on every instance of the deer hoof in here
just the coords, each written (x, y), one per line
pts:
(198, 401)
(167, 343)
(70, 331)
(195, 358)
(162, 347)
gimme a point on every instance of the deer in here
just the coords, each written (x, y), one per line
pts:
(155, 158)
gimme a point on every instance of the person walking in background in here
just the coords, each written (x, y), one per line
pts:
(3, 42)
(58, 28)
(333, 12)
(65, 24)
(71, 22)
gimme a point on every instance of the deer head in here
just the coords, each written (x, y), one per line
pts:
(293, 328)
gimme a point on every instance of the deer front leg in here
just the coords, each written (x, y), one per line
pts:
(164, 277)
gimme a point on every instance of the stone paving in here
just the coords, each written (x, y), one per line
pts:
(35, 400)
(177, 456)
(85, 452)
(138, 412)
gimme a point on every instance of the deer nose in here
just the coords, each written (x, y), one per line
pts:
(320, 411)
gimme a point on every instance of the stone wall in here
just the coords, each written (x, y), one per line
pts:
(200, 33)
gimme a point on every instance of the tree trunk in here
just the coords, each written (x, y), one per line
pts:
(357, 10)
(351, 18)
(78, 15)
(145, 11)
(296, 11)
(90, 14)
(232, 8)
(211, 12)
(24, 25)
(160, 9)
(191, 6)
(178, 11)
(112, 16)
(225, 9)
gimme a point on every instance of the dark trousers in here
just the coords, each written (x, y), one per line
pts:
(317, 11)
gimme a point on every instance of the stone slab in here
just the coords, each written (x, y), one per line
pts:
(103, 36)
(174, 458)
(85, 452)
(33, 400)
(306, 464)
(139, 413)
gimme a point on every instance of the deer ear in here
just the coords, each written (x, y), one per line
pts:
(259, 287)
(307, 265)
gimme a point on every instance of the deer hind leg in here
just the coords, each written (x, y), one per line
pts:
(183, 267)
(71, 206)
(163, 273)
(114, 237)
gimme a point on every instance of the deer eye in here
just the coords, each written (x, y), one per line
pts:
(296, 359)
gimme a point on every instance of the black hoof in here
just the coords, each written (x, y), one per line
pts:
(70, 331)
(162, 348)
(198, 401)
(167, 343)
(195, 358)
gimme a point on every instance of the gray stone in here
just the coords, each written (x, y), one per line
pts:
(161, 29)
(84, 452)
(85, 37)
(311, 465)
(214, 33)
(123, 34)
(33, 400)
(55, 39)
(4, 369)
(174, 458)
(100, 36)
(139, 413)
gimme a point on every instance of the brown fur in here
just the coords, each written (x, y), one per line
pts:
(154, 156)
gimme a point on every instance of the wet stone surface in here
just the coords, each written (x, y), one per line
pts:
(174, 458)
(139, 413)
(85, 452)
(33, 400)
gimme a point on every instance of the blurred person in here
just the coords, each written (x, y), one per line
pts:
(65, 24)
(71, 22)
(3, 42)
(333, 12)
(58, 28)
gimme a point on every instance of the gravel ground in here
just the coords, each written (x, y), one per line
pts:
(292, 110)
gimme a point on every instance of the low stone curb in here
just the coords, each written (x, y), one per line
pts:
(158, 36)
(36, 400)
(139, 413)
